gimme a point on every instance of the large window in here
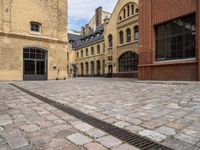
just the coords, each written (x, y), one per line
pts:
(92, 50)
(82, 69)
(77, 54)
(87, 68)
(128, 35)
(136, 33)
(98, 49)
(128, 62)
(176, 39)
(86, 52)
(92, 67)
(121, 37)
(110, 41)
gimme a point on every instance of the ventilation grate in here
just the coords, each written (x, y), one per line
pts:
(122, 134)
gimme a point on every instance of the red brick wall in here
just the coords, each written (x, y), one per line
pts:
(164, 10)
(181, 72)
(153, 12)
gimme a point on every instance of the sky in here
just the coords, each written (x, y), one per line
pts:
(81, 11)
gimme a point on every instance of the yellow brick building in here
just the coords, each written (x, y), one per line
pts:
(33, 39)
(109, 47)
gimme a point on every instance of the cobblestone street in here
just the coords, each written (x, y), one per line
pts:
(167, 113)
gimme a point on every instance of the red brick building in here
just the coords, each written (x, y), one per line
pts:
(169, 47)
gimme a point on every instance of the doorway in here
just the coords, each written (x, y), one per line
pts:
(35, 64)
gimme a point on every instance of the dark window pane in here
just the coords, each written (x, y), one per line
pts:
(40, 67)
(128, 62)
(29, 67)
(176, 39)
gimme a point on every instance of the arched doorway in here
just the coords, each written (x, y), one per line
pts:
(98, 68)
(35, 63)
(110, 71)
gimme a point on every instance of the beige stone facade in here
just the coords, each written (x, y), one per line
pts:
(122, 20)
(18, 21)
(117, 58)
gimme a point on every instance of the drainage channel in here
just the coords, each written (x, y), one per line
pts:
(122, 134)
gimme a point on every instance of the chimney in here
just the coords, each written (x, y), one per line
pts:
(87, 28)
(98, 16)
(82, 31)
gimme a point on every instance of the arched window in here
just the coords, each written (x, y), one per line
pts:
(81, 53)
(110, 41)
(92, 50)
(86, 52)
(124, 12)
(82, 69)
(98, 49)
(136, 33)
(128, 10)
(132, 9)
(103, 67)
(77, 54)
(98, 68)
(86, 68)
(128, 62)
(136, 10)
(121, 37)
(128, 35)
(92, 67)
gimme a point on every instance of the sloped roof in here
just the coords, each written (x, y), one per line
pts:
(78, 41)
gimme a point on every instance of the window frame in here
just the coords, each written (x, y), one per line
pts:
(128, 35)
(173, 43)
(136, 32)
(110, 41)
(128, 62)
(121, 37)
(35, 29)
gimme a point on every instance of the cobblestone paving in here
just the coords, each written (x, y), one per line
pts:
(166, 113)
(27, 123)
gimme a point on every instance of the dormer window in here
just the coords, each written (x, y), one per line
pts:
(35, 27)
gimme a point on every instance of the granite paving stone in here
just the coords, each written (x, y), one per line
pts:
(95, 146)
(166, 109)
(30, 128)
(17, 142)
(153, 135)
(122, 124)
(187, 138)
(125, 147)
(83, 127)
(166, 130)
(95, 133)
(109, 141)
(79, 139)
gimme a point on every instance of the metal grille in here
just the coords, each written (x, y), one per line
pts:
(122, 134)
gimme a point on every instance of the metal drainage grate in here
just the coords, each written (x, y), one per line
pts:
(122, 134)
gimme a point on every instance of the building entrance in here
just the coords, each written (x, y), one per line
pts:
(35, 64)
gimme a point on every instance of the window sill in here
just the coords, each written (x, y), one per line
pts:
(35, 33)
(175, 61)
(172, 62)
(133, 42)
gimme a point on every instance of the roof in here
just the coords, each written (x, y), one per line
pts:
(73, 37)
(78, 41)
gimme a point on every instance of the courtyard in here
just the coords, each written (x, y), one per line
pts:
(165, 112)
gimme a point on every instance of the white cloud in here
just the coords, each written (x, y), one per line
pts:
(83, 10)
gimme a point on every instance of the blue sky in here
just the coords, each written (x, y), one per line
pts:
(81, 11)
